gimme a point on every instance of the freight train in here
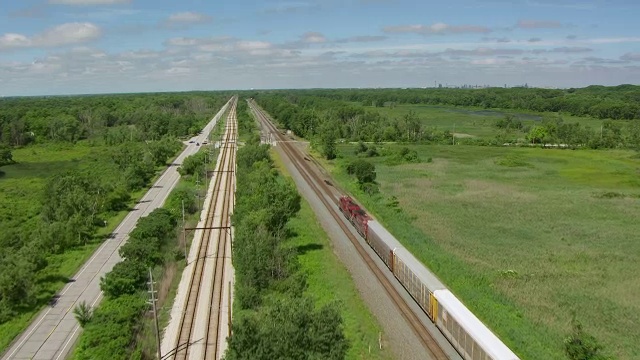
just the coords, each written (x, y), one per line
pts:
(468, 335)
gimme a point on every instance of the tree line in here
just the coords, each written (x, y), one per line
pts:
(273, 318)
(114, 117)
(323, 119)
(616, 102)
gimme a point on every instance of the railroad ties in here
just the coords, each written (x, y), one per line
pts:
(200, 320)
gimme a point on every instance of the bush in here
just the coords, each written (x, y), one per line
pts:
(582, 346)
(193, 164)
(110, 332)
(363, 170)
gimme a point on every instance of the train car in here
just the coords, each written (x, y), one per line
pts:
(382, 242)
(355, 214)
(468, 335)
(417, 279)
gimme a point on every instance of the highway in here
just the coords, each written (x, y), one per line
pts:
(53, 332)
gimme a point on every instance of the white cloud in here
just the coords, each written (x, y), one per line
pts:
(89, 2)
(228, 62)
(253, 45)
(65, 34)
(70, 33)
(313, 38)
(186, 19)
(189, 17)
(13, 41)
(437, 28)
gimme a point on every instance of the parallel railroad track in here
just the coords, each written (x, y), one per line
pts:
(216, 228)
(322, 190)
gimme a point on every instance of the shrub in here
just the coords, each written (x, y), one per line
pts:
(363, 170)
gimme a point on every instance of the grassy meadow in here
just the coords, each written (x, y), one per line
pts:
(472, 122)
(526, 237)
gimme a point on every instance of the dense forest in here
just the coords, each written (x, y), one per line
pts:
(109, 147)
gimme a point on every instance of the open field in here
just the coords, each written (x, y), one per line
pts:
(329, 281)
(476, 122)
(525, 237)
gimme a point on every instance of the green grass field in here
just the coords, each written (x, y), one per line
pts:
(330, 281)
(474, 122)
(525, 237)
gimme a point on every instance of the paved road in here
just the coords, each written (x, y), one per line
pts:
(52, 334)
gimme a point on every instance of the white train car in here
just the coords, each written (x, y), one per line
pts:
(416, 278)
(468, 335)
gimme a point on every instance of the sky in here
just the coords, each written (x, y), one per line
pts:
(50, 47)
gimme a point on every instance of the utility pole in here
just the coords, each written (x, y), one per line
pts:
(155, 313)
(229, 309)
(184, 237)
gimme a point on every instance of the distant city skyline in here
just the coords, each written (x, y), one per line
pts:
(51, 47)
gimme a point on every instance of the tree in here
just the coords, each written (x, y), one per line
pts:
(582, 346)
(634, 135)
(329, 143)
(193, 164)
(83, 313)
(125, 278)
(289, 329)
(6, 157)
(537, 134)
(363, 170)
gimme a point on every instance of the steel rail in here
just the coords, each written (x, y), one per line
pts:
(321, 189)
(187, 323)
(213, 329)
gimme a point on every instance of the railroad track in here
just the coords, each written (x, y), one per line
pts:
(198, 337)
(326, 195)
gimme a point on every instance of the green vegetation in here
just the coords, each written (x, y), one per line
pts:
(68, 176)
(582, 346)
(319, 115)
(83, 313)
(523, 236)
(125, 288)
(328, 281)
(273, 316)
(617, 102)
(153, 244)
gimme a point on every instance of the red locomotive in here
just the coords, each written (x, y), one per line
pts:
(355, 214)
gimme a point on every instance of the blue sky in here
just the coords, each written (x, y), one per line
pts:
(104, 46)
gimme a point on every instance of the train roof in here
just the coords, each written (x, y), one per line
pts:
(494, 347)
(383, 234)
(425, 275)
(421, 271)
